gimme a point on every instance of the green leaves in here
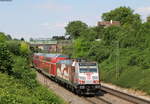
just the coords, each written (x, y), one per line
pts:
(24, 49)
(14, 46)
(12, 91)
(74, 28)
(6, 61)
(3, 37)
(123, 14)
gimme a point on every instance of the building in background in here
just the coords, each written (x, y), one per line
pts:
(46, 45)
(108, 23)
(49, 45)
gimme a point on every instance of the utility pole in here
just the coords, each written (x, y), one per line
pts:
(117, 59)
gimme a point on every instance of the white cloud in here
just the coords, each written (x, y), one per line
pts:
(144, 12)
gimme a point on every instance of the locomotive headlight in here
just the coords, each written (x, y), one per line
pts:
(82, 87)
(97, 86)
(82, 78)
(95, 77)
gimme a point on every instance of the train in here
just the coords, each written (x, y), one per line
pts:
(79, 76)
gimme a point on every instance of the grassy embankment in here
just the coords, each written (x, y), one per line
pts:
(22, 87)
(130, 69)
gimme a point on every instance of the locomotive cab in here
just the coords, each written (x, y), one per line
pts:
(88, 77)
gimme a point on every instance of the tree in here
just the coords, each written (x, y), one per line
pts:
(148, 19)
(89, 34)
(122, 14)
(6, 61)
(14, 46)
(81, 48)
(9, 37)
(22, 39)
(3, 37)
(24, 49)
(110, 35)
(31, 39)
(74, 28)
(58, 37)
(99, 31)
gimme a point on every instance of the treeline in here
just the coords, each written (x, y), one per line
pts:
(18, 83)
(122, 51)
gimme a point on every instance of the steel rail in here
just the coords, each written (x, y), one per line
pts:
(105, 101)
(125, 96)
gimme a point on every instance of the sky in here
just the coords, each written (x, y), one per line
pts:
(47, 18)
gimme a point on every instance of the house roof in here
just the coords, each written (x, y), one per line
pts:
(109, 23)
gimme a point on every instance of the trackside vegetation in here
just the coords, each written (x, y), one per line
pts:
(18, 83)
(123, 52)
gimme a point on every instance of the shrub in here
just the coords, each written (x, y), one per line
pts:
(6, 61)
(24, 49)
(13, 91)
(3, 37)
(14, 47)
(23, 72)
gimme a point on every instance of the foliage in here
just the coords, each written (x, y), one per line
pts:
(14, 47)
(74, 28)
(24, 49)
(23, 72)
(110, 35)
(13, 91)
(6, 61)
(123, 14)
(148, 19)
(99, 31)
(9, 37)
(99, 52)
(129, 70)
(20, 85)
(122, 51)
(3, 37)
(81, 47)
(88, 34)
(58, 37)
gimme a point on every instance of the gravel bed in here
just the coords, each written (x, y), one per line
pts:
(60, 91)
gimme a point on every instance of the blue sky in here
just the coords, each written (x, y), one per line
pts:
(45, 18)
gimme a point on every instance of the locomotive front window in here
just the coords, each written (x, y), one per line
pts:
(85, 70)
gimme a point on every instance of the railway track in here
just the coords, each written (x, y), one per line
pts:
(125, 96)
(110, 96)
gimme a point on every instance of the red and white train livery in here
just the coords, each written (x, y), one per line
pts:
(81, 77)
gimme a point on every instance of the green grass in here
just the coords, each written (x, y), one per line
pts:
(130, 70)
(22, 87)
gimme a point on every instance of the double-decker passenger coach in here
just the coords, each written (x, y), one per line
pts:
(80, 76)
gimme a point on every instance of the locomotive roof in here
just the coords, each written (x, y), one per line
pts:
(68, 62)
(50, 55)
(55, 55)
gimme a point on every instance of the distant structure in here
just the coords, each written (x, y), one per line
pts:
(46, 45)
(108, 23)
(49, 45)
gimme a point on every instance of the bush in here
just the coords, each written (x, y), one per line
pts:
(23, 72)
(3, 37)
(24, 49)
(14, 47)
(6, 61)
(13, 91)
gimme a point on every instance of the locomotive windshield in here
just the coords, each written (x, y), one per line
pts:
(85, 70)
